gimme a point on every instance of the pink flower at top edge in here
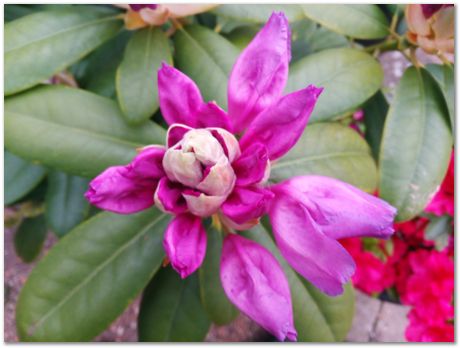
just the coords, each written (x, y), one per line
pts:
(205, 170)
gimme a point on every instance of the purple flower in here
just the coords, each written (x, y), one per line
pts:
(205, 170)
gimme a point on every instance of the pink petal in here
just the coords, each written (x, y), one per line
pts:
(318, 258)
(148, 163)
(116, 189)
(254, 281)
(175, 134)
(251, 167)
(201, 204)
(338, 209)
(281, 125)
(168, 197)
(260, 73)
(246, 204)
(185, 243)
(180, 98)
(211, 115)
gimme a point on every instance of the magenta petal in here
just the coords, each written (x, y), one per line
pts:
(246, 204)
(168, 197)
(116, 189)
(339, 209)
(318, 258)
(211, 115)
(260, 73)
(175, 134)
(250, 168)
(185, 243)
(254, 281)
(180, 98)
(281, 125)
(148, 163)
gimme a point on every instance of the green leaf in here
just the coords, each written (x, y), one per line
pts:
(329, 149)
(220, 310)
(416, 145)
(72, 130)
(349, 78)
(207, 58)
(317, 317)
(171, 310)
(359, 21)
(445, 77)
(41, 44)
(90, 276)
(259, 13)
(13, 12)
(308, 37)
(438, 225)
(137, 74)
(65, 205)
(21, 177)
(97, 72)
(29, 238)
(375, 112)
(242, 36)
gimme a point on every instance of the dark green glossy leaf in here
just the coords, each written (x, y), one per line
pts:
(65, 205)
(329, 149)
(207, 58)
(349, 78)
(416, 145)
(42, 44)
(97, 72)
(89, 277)
(21, 177)
(375, 112)
(220, 310)
(72, 130)
(29, 238)
(317, 317)
(13, 12)
(359, 20)
(257, 13)
(137, 75)
(171, 310)
(445, 77)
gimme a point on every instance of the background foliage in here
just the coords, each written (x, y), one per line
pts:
(58, 137)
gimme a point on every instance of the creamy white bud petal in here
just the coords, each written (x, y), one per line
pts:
(203, 205)
(182, 167)
(231, 143)
(220, 180)
(205, 147)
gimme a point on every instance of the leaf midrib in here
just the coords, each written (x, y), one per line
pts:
(77, 129)
(31, 43)
(94, 273)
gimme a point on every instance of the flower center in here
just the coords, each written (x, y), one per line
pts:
(201, 161)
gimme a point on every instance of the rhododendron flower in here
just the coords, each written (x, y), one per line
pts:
(431, 27)
(143, 15)
(443, 201)
(217, 164)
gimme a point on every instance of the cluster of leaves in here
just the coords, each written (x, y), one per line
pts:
(58, 137)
